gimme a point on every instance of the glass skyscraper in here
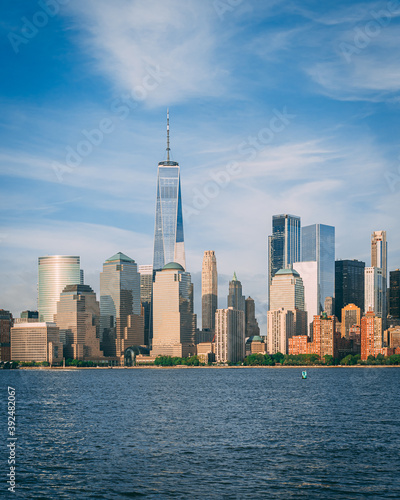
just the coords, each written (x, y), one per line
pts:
(169, 243)
(284, 243)
(119, 298)
(318, 245)
(349, 284)
(55, 273)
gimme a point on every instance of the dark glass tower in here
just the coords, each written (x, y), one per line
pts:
(284, 243)
(394, 309)
(349, 284)
(169, 243)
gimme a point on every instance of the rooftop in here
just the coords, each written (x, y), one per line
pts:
(173, 265)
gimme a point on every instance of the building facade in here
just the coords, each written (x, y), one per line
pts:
(252, 329)
(229, 335)
(78, 318)
(119, 298)
(284, 245)
(374, 290)
(146, 293)
(379, 260)
(169, 243)
(349, 284)
(281, 327)
(308, 272)
(394, 309)
(235, 298)
(6, 323)
(318, 245)
(371, 335)
(36, 342)
(287, 291)
(55, 273)
(351, 316)
(209, 290)
(174, 323)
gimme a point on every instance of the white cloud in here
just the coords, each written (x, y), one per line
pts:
(132, 41)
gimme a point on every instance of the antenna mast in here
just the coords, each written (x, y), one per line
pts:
(168, 148)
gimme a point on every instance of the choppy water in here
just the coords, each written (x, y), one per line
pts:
(205, 433)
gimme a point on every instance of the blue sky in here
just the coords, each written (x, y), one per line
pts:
(276, 107)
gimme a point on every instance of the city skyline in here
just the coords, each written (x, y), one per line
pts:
(293, 132)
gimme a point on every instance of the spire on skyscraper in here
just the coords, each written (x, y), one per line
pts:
(168, 148)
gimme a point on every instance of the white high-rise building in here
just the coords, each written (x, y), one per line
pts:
(229, 335)
(379, 260)
(374, 290)
(281, 327)
(309, 274)
(55, 273)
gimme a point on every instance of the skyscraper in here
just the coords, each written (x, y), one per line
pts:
(286, 316)
(395, 294)
(284, 243)
(235, 297)
(349, 284)
(146, 291)
(169, 243)
(252, 327)
(209, 290)
(379, 260)
(6, 323)
(229, 335)
(78, 318)
(309, 274)
(119, 298)
(374, 290)
(318, 245)
(55, 273)
(174, 323)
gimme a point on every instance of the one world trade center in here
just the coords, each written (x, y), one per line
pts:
(169, 244)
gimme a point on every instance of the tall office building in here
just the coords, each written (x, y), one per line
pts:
(6, 323)
(287, 291)
(169, 243)
(286, 294)
(374, 290)
(209, 290)
(146, 291)
(349, 284)
(379, 260)
(55, 273)
(229, 335)
(235, 297)
(119, 298)
(394, 309)
(281, 327)
(78, 318)
(252, 328)
(174, 323)
(318, 245)
(325, 336)
(284, 245)
(351, 316)
(308, 272)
